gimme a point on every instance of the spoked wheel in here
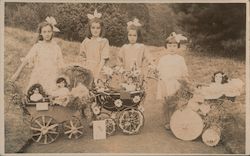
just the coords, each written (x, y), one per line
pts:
(73, 128)
(131, 121)
(44, 129)
(109, 122)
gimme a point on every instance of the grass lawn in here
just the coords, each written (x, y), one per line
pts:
(201, 68)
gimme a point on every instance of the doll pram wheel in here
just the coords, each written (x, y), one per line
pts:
(131, 120)
(73, 128)
(44, 129)
(186, 124)
(110, 123)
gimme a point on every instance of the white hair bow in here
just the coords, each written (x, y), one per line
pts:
(95, 15)
(135, 22)
(51, 20)
(178, 37)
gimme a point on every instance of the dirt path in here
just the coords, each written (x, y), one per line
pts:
(152, 139)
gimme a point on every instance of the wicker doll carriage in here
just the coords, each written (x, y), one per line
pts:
(48, 120)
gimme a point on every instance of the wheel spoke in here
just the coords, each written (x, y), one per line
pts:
(79, 132)
(67, 132)
(67, 126)
(36, 134)
(38, 123)
(35, 129)
(50, 119)
(52, 126)
(39, 138)
(45, 139)
(70, 135)
(50, 137)
(43, 118)
(71, 123)
(52, 132)
(79, 127)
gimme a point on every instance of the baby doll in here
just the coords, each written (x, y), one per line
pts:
(35, 93)
(61, 94)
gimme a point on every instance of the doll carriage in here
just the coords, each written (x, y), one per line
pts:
(120, 107)
(48, 120)
(205, 114)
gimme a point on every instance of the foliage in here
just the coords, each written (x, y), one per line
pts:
(217, 28)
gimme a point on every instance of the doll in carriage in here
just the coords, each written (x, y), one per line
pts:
(62, 110)
(118, 101)
(208, 111)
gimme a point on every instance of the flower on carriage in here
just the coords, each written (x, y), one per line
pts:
(113, 115)
(136, 99)
(118, 103)
(96, 110)
(108, 71)
(136, 73)
(192, 104)
(141, 108)
(204, 108)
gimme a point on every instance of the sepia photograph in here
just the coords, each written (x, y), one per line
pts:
(103, 77)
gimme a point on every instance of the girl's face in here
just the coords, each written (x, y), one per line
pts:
(132, 36)
(47, 33)
(172, 47)
(218, 78)
(95, 29)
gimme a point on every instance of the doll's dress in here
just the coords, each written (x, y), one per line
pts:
(36, 97)
(61, 96)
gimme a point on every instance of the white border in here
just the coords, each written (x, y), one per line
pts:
(2, 2)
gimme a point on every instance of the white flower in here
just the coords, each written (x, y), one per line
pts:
(136, 73)
(193, 105)
(141, 108)
(205, 108)
(118, 103)
(121, 70)
(96, 110)
(107, 70)
(113, 115)
(136, 99)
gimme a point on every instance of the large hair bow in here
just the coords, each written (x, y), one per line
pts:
(178, 37)
(135, 22)
(51, 20)
(95, 15)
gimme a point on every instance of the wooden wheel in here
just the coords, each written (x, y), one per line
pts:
(186, 124)
(73, 128)
(109, 122)
(131, 121)
(44, 129)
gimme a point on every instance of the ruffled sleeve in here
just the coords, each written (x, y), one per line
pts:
(60, 60)
(121, 56)
(83, 50)
(147, 56)
(105, 50)
(31, 56)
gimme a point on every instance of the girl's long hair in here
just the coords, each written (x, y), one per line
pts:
(39, 30)
(95, 20)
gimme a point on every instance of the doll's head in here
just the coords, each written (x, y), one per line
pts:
(134, 32)
(95, 25)
(36, 89)
(61, 82)
(219, 77)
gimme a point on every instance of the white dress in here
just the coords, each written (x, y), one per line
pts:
(95, 49)
(171, 67)
(130, 54)
(47, 60)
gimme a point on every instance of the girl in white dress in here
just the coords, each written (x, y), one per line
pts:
(134, 53)
(172, 70)
(95, 49)
(45, 56)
